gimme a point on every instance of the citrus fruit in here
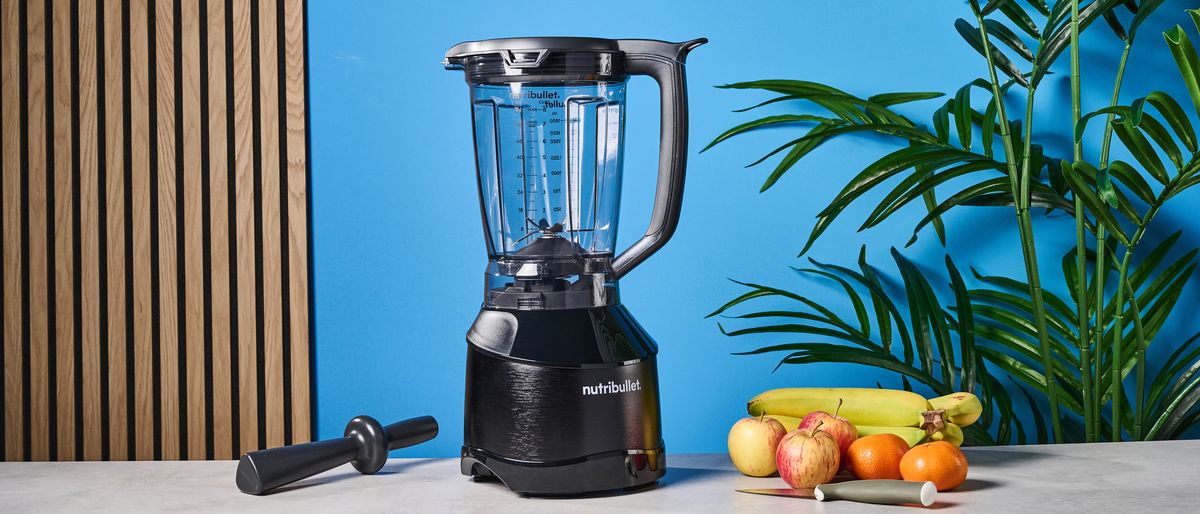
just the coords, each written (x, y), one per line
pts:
(939, 462)
(876, 456)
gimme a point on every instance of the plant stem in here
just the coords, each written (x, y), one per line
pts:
(1138, 413)
(1118, 361)
(1080, 240)
(1020, 186)
(1118, 365)
(1122, 275)
(1100, 273)
(1025, 224)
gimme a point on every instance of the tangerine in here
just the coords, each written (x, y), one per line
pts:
(939, 462)
(876, 456)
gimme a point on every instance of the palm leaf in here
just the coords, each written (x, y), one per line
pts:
(1061, 37)
(970, 33)
(1186, 60)
(771, 121)
(965, 328)
(1176, 118)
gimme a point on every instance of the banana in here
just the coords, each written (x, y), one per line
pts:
(789, 422)
(950, 433)
(962, 409)
(910, 435)
(873, 407)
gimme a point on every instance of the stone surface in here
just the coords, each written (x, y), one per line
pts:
(1126, 477)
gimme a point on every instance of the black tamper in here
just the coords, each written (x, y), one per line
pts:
(365, 445)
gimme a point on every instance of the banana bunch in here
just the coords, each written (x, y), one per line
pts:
(874, 411)
(877, 407)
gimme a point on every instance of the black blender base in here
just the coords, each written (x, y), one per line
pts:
(620, 471)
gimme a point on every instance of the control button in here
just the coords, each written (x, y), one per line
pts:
(634, 463)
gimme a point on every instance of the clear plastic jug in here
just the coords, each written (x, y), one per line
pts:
(549, 119)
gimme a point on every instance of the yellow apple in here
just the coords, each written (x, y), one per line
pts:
(752, 444)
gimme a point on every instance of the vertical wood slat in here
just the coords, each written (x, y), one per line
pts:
(154, 221)
(297, 207)
(115, 255)
(192, 268)
(223, 404)
(89, 208)
(36, 261)
(269, 215)
(64, 281)
(139, 145)
(10, 184)
(167, 343)
(242, 144)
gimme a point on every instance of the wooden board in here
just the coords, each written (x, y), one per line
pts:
(154, 259)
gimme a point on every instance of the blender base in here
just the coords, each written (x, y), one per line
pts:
(562, 402)
(613, 472)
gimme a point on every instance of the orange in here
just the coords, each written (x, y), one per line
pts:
(939, 462)
(876, 456)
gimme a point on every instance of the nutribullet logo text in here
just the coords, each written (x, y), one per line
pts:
(613, 387)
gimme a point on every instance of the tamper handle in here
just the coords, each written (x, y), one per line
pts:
(263, 470)
(365, 445)
(406, 433)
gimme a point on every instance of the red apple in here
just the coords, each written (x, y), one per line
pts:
(807, 457)
(842, 430)
(752, 443)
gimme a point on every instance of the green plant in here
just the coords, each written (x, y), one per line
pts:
(1032, 336)
(927, 355)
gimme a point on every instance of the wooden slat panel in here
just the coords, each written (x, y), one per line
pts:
(64, 280)
(223, 405)
(168, 328)
(271, 293)
(10, 174)
(193, 267)
(154, 222)
(89, 186)
(37, 258)
(297, 206)
(244, 173)
(120, 403)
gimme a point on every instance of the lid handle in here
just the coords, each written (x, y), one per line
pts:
(663, 62)
(531, 59)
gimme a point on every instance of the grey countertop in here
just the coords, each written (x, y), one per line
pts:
(1125, 477)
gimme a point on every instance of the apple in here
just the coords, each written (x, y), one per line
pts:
(752, 443)
(807, 457)
(842, 430)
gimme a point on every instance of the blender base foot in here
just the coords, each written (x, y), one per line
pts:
(607, 473)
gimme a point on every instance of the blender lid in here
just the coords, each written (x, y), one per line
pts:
(546, 58)
(505, 47)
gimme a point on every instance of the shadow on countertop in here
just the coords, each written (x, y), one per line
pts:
(677, 475)
(998, 457)
(391, 468)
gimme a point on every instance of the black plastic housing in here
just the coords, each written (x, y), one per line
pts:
(562, 402)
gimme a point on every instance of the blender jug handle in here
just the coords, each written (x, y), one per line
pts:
(663, 62)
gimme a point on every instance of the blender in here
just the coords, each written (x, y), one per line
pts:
(561, 381)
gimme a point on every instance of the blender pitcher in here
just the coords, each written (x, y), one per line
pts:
(562, 393)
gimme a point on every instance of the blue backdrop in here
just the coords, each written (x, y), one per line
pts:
(398, 253)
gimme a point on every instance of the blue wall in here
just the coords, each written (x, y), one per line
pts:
(399, 254)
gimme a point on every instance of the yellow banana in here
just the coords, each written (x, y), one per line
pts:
(874, 407)
(910, 435)
(950, 433)
(790, 422)
(962, 409)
